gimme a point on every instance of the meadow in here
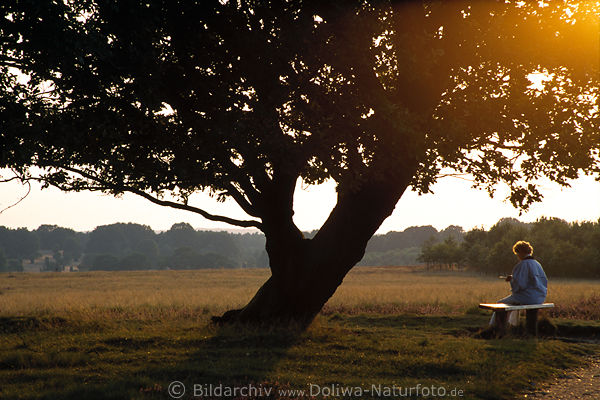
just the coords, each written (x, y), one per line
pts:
(129, 335)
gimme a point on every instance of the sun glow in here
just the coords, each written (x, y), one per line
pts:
(538, 79)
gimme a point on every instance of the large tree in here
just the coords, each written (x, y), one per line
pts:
(245, 98)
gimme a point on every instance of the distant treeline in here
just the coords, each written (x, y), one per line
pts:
(129, 247)
(136, 247)
(404, 248)
(564, 249)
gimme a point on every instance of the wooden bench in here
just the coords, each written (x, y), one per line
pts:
(530, 309)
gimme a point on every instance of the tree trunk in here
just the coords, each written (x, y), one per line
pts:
(306, 273)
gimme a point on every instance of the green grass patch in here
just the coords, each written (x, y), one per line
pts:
(66, 358)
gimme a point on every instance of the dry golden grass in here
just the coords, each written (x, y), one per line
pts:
(199, 293)
(399, 289)
(155, 293)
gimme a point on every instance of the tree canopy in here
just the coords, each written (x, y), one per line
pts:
(158, 97)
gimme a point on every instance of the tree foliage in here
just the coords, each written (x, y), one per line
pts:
(446, 254)
(134, 246)
(564, 249)
(129, 247)
(19, 243)
(405, 248)
(173, 97)
(3, 263)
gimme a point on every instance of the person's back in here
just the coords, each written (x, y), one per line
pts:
(528, 280)
(529, 283)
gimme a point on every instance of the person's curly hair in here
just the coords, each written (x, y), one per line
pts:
(522, 247)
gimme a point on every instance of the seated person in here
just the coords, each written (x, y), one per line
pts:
(528, 281)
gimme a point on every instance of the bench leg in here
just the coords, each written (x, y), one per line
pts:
(531, 322)
(500, 327)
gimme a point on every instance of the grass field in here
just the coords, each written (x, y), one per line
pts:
(121, 335)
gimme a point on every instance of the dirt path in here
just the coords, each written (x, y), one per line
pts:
(579, 383)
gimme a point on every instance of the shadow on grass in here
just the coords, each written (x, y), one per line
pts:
(458, 325)
(204, 362)
(64, 359)
(234, 354)
(22, 324)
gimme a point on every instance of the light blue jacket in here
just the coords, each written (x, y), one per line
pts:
(529, 283)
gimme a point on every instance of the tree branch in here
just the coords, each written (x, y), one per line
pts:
(241, 200)
(11, 62)
(242, 178)
(22, 198)
(14, 178)
(205, 214)
(457, 175)
(167, 203)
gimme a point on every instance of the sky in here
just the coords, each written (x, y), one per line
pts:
(453, 202)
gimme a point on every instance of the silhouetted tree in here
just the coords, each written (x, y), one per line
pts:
(53, 237)
(475, 249)
(117, 239)
(72, 249)
(414, 236)
(134, 261)
(180, 235)
(104, 262)
(445, 254)
(149, 248)
(243, 99)
(19, 243)
(187, 258)
(3, 263)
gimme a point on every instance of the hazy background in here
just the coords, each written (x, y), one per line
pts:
(454, 202)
